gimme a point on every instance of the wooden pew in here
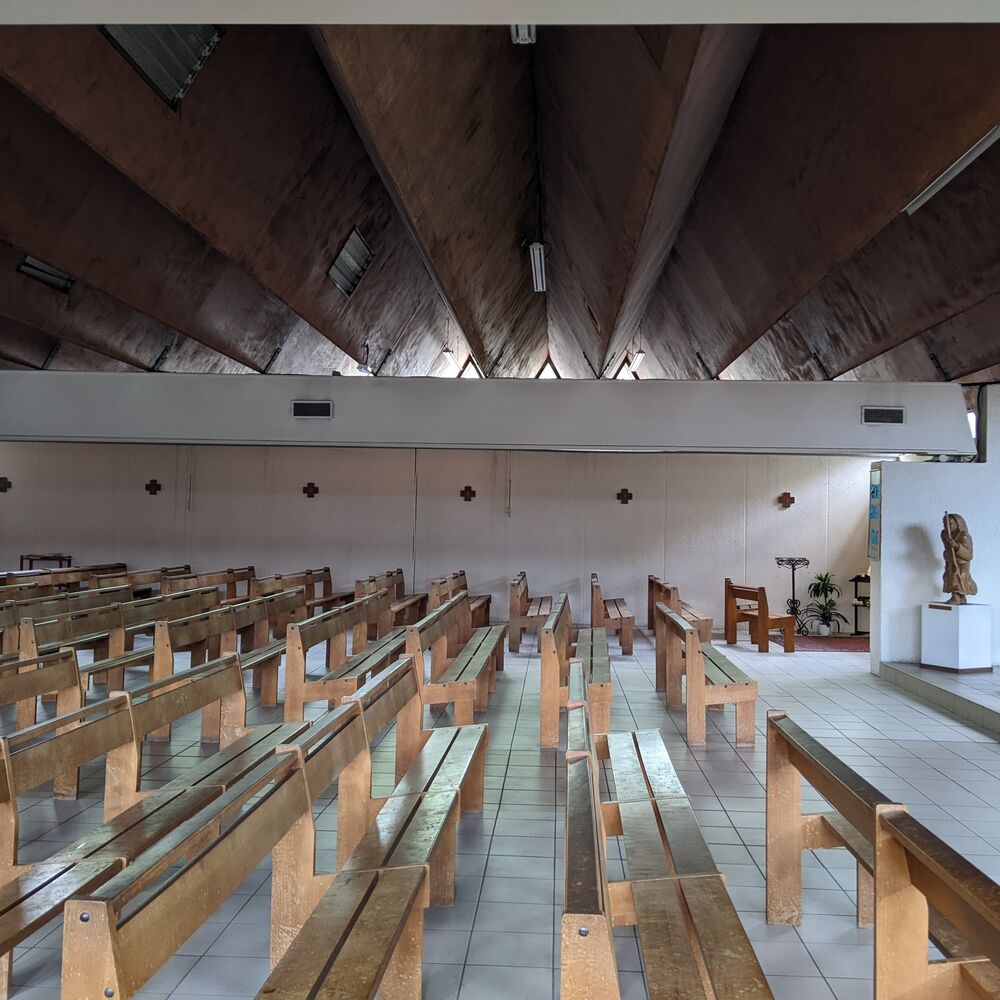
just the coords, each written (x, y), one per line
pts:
(143, 581)
(445, 587)
(23, 682)
(260, 626)
(317, 585)
(526, 612)
(343, 674)
(74, 577)
(464, 661)
(406, 608)
(692, 941)
(754, 610)
(712, 679)
(99, 629)
(24, 591)
(613, 614)
(227, 581)
(559, 644)
(659, 592)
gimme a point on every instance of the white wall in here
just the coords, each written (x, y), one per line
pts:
(915, 496)
(694, 519)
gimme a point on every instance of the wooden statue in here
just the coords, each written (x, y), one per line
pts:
(957, 559)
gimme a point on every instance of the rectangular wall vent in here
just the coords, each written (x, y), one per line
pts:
(883, 415)
(316, 408)
(351, 263)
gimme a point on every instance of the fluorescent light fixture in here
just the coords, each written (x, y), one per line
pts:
(973, 422)
(537, 252)
(449, 356)
(351, 263)
(522, 34)
(637, 360)
(38, 270)
(954, 170)
(363, 366)
(167, 56)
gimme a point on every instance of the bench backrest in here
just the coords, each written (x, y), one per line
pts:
(557, 635)
(738, 592)
(316, 583)
(444, 587)
(596, 601)
(659, 592)
(23, 680)
(519, 598)
(140, 578)
(444, 631)
(26, 578)
(168, 607)
(68, 628)
(228, 580)
(24, 591)
(332, 627)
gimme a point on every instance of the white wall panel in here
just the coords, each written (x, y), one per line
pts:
(21, 528)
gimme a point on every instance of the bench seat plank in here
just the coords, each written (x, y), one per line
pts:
(720, 669)
(474, 656)
(642, 767)
(444, 760)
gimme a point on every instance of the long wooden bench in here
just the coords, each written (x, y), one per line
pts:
(343, 673)
(712, 679)
(317, 586)
(526, 612)
(406, 608)
(144, 581)
(693, 943)
(445, 587)
(658, 592)
(613, 614)
(464, 660)
(749, 604)
(23, 682)
(228, 582)
(911, 885)
(560, 643)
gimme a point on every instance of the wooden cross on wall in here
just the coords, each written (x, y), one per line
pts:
(786, 500)
(467, 494)
(624, 495)
(5, 484)
(310, 490)
(153, 487)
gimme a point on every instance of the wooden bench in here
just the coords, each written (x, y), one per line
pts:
(317, 585)
(445, 587)
(613, 614)
(693, 943)
(25, 591)
(227, 581)
(659, 592)
(406, 608)
(464, 660)
(143, 581)
(712, 679)
(23, 682)
(526, 612)
(754, 610)
(343, 674)
(560, 643)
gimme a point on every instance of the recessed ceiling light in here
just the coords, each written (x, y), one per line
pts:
(637, 360)
(537, 253)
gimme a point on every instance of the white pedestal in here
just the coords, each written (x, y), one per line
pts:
(955, 636)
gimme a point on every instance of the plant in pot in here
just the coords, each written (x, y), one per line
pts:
(822, 610)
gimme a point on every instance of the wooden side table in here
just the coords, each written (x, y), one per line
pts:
(60, 559)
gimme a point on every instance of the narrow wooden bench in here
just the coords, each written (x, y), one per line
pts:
(23, 682)
(712, 679)
(260, 625)
(693, 943)
(99, 629)
(560, 643)
(317, 585)
(526, 612)
(659, 592)
(143, 582)
(406, 608)
(445, 587)
(754, 610)
(233, 584)
(464, 661)
(613, 614)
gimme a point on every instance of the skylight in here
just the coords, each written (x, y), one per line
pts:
(470, 370)
(351, 263)
(548, 370)
(169, 57)
(32, 267)
(624, 372)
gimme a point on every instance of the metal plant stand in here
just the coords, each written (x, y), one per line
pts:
(794, 563)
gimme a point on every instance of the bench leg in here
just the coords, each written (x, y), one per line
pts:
(763, 638)
(626, 636)
(587, 958)
(784, 834)
(443, 862)
(548, 709)
(500, 654)
(464, 712)
(403, 977)
(474, 786)
(745, 733)
(482, 699)
(789, 631)
(6, 973)
(255, 683)
(211, 722)
(514, 638)
(354, 792)
(866, 897)
(269, 684)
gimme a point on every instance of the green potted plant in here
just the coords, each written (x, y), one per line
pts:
(822, 610)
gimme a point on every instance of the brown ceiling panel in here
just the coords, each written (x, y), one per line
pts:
(32, 348)
(627, 118)
(281, 212)
(66, 205)
(835, 129)
(448, 116)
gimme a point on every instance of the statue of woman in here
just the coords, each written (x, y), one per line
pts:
(957, 557)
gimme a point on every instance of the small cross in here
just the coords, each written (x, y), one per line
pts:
(153, 487)
(786, 500)
(467, 494)
(5, 484)
(624, 495)
(310, 490)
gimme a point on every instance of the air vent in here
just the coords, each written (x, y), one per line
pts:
(883, 415)
(38, 270)
(168, 57)
(321, 409)
(351, 263)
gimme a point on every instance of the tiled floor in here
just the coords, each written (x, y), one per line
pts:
(500, 940)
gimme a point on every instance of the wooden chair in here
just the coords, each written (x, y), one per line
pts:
(445, 587)
(613, 614)
(692, 941)
(560, 642)
(754, 610)
(526, 612)
(659, 592)
(712, 679)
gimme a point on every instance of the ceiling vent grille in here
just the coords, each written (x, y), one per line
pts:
(351, 263)
(883, 415)
(168, 56)
(38, 270)
(316, 409)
